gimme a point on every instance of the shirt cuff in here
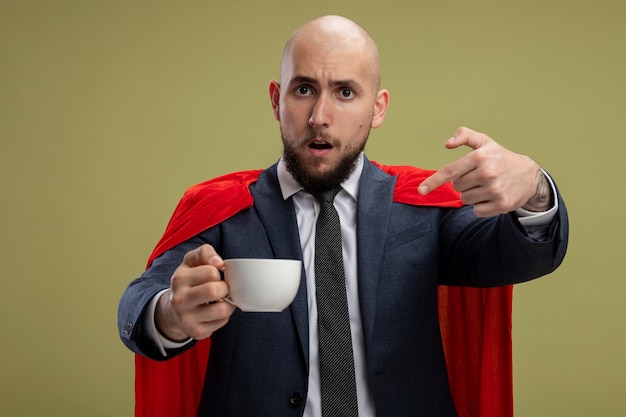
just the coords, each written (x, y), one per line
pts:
(535, 222)
(160, 341)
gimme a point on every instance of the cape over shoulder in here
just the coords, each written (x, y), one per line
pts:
(204, 205)
(211, 202)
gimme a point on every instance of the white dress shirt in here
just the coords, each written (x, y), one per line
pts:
(307, 210)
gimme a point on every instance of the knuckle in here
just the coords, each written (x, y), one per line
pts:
(449, 171)
(181, 277)
(179, 301)
(203, 250)
(190, 256)
(206, 251)
(502, 205)
(491, 173)
(480, 156)
(223, 310)
(214, 291)
(496, 188)
(178, 277)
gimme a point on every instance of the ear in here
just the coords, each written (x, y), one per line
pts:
(275, 98)
(380, 108)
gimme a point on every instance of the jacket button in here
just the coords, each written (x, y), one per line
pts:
(127, 327)
(296, 399)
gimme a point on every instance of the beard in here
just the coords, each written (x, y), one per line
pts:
(314, 181)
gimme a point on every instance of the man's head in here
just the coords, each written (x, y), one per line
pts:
(327, 99)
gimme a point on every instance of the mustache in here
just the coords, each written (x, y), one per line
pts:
(317, 135)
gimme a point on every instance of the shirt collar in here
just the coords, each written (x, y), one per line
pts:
(289, 186)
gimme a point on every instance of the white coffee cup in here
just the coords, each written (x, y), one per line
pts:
(262, 285)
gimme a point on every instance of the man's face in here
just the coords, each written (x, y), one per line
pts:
(326, 104)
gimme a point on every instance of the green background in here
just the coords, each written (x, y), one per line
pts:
(110, 109)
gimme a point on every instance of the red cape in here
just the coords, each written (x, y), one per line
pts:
(475, 323)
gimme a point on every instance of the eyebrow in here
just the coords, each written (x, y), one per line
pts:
(302, 79)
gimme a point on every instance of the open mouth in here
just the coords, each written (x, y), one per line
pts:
(320, 144)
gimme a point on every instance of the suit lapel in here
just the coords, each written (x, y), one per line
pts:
(373, 209)
(280, 222)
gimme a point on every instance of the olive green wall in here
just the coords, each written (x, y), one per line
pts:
(110, 109)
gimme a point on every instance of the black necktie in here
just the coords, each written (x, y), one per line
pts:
(338, 386)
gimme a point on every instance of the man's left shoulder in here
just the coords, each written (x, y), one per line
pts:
(408, 178)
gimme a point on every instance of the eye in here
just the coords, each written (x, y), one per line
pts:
(346, 93)
(304, 90)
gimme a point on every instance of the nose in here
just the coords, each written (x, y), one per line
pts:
(321, 112)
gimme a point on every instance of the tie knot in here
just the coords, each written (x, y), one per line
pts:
(325, 196)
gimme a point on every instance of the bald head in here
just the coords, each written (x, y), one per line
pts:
(333, 33)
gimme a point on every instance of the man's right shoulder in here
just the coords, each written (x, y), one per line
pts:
(227, 183)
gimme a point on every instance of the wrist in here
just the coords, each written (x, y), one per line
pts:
(543, 198)
(166, 321)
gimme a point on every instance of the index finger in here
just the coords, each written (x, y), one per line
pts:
(449, 172)
(203, 255)
(462, 137)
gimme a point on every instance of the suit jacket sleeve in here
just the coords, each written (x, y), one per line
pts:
(498, 251)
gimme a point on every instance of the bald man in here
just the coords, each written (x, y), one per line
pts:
(510, 227)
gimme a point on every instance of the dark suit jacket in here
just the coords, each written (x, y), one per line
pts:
(259, 362)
